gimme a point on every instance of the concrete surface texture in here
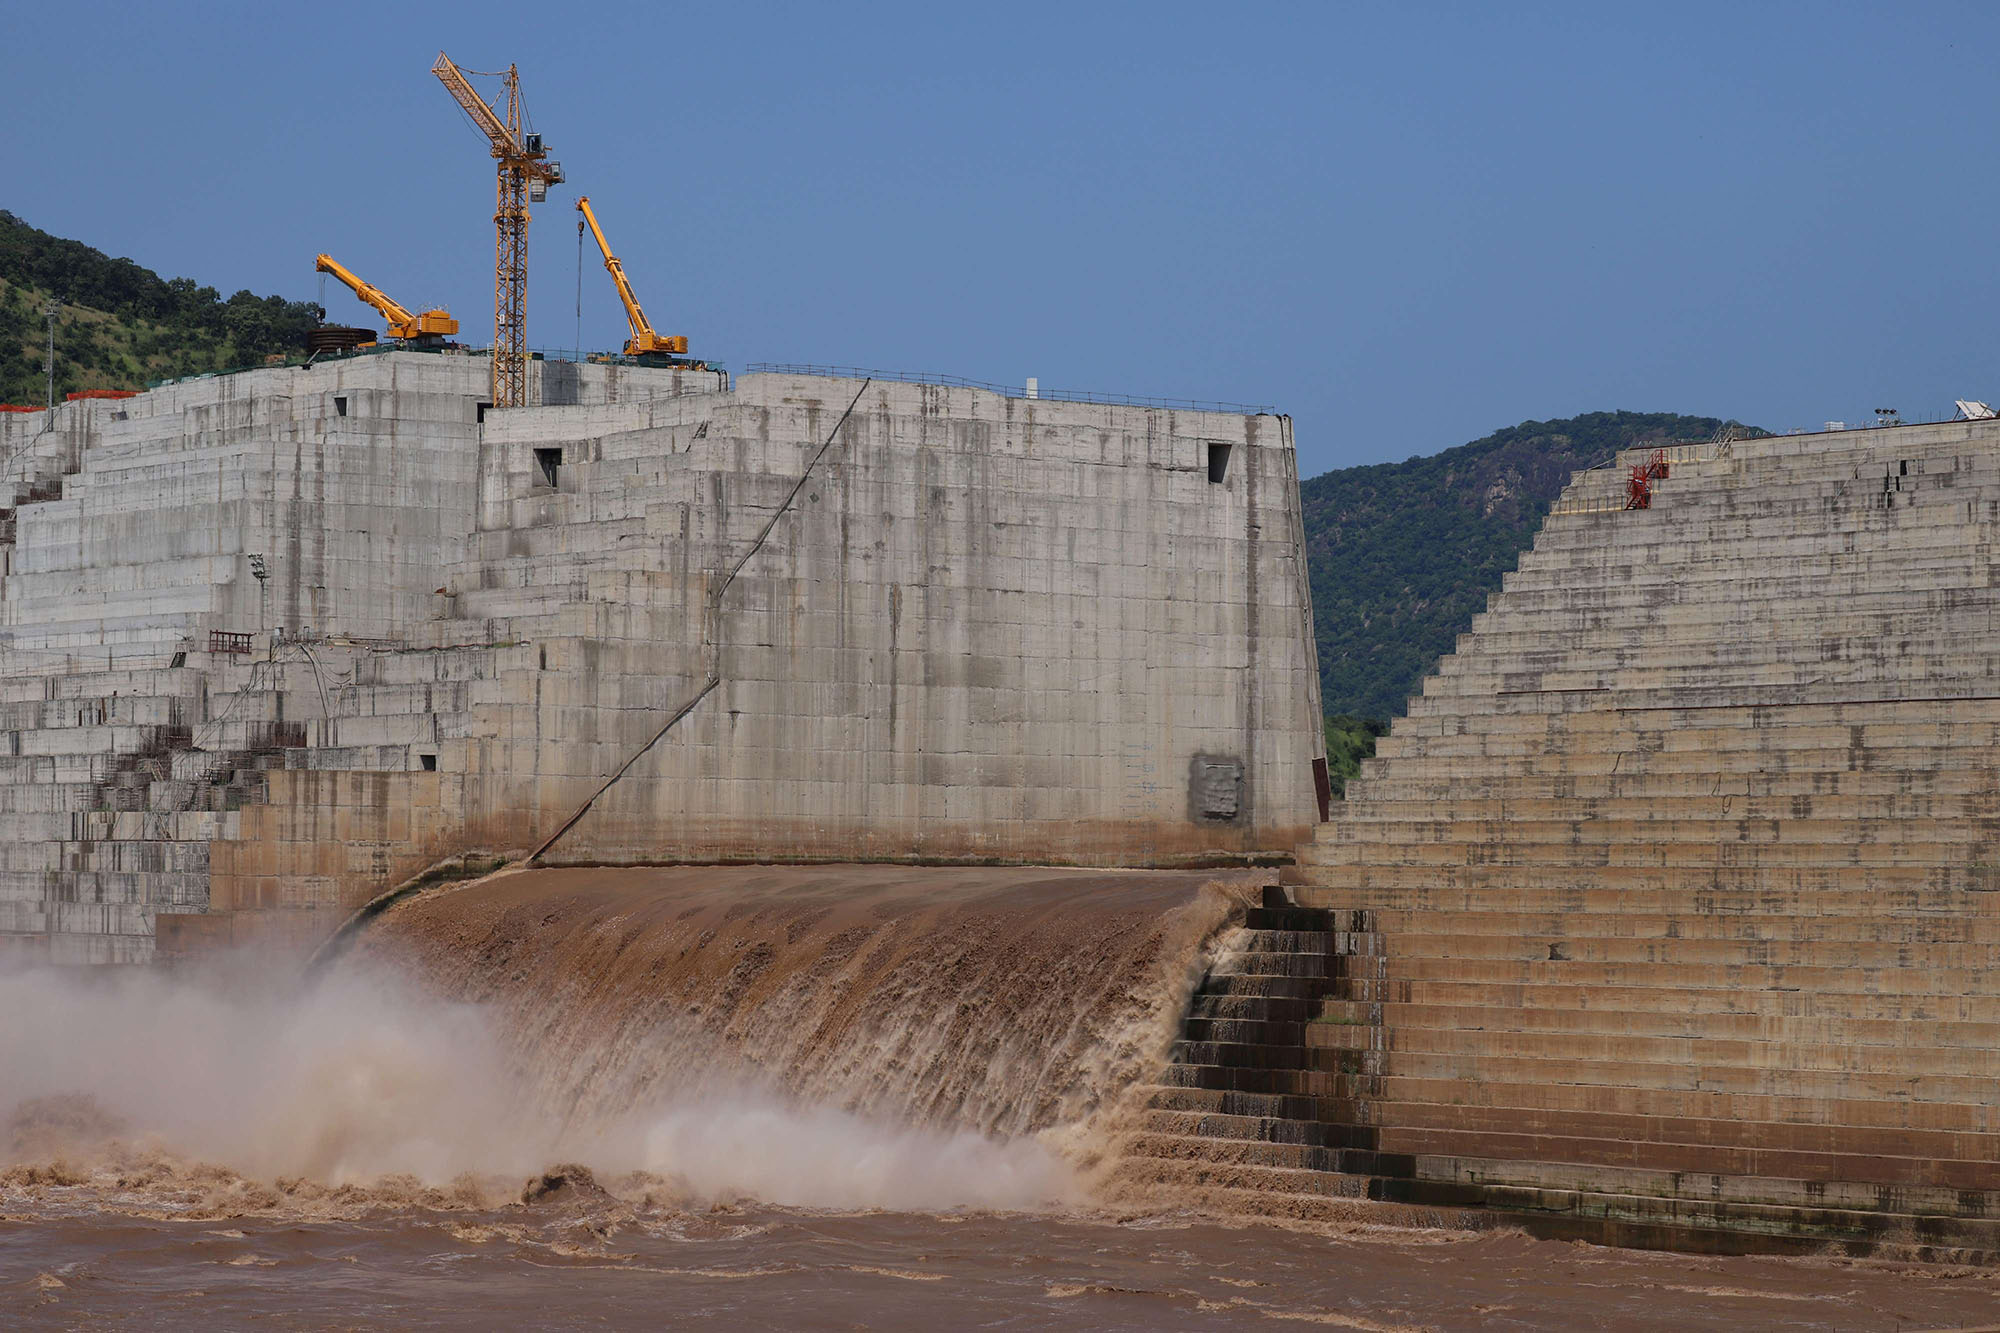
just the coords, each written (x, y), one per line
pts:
(1668, 914)
(910, 621)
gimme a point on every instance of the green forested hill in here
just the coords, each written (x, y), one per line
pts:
(122, 325)
(1402, 555)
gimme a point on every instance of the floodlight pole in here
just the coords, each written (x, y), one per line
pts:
(261, 572)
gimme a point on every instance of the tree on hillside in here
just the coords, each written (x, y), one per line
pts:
(157, 326)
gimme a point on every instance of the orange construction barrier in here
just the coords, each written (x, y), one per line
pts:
(100, 393)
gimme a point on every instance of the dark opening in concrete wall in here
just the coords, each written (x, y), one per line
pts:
(549, 461)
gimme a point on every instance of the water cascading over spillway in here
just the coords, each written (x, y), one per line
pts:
(1010, 1002)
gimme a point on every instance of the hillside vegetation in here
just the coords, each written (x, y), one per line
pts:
(122, 325)
(1403, 555)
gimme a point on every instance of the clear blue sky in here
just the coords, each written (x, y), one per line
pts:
(1404, 225)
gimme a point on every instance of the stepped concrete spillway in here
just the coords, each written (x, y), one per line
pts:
(1670, 913)
(792, 618)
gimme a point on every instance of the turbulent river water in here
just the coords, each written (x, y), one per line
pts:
(833, 1097)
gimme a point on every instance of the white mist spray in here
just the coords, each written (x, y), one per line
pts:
(363, 1076)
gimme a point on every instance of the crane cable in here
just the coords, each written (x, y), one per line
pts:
(579, 289)
(711, 635)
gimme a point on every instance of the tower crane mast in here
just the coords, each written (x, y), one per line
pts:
(644, 341)
(524, 174)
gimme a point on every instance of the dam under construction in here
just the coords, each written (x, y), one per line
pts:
(275, 642)
(845, 792)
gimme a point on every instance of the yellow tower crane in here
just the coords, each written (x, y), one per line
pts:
(643, 342)
(402, 324)
(525, 173)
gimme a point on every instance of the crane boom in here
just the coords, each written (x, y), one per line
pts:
(524, 175)
(644, 341)
(402, 324)
(484, 116)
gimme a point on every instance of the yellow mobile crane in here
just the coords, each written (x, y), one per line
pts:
(643, 342)
(402, 324)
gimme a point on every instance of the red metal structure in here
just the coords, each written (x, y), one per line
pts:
(1639, 489)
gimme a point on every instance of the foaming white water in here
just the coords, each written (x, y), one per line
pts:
(823, 1158)
(363, 1077)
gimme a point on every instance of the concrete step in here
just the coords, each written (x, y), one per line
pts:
(1193, 1099)
(1870, 957)
(1545, 920)
(1583, 1045)
(1679, 1075)
(1566, 1164)
(1875, 812)
(1262, 1180)
(1712, 1144)
(1533, 836)
(1900, 887)
(1730, 763)
(1939, 983)
(1219, 1006)
(1731, 745)
(1321, 1084)
(1933, 791)
(1934, 569)
(1215, 1151)
(1258, 1129)
(1828, 1120)
(1661, 716)
(1725, 1007)
(1670, 1019)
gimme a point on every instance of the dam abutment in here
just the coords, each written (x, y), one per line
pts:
(1677, 877)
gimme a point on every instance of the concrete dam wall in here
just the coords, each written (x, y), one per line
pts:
(905, 621)
(1669, 912)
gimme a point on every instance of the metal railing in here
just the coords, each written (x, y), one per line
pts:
(1699, 451)
(1010, 390)
(1588, 504)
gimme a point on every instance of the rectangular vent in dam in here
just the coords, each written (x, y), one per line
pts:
(549, 463)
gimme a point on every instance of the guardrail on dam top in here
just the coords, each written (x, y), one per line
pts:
(1011, 390)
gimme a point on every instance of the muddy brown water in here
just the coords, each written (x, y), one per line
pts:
(836, 1097)
(81, 1264)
